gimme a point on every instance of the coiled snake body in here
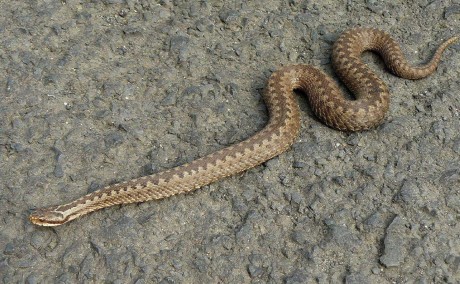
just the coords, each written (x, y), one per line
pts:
(326, 100)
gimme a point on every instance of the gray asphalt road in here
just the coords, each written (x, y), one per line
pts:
(96, 92)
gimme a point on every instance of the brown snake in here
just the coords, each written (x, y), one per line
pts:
(326, 100)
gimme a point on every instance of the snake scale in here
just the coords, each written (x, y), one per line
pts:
(325, 98)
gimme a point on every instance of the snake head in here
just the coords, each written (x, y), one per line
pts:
(47, 217)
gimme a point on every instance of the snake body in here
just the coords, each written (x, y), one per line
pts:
(326, 100)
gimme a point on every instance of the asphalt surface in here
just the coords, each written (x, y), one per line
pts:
(97, 92)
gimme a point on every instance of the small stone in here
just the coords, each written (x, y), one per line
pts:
(226, 242)
(9, 249)
(298, 165)
(58, 170)
(344, 237)
(176, 264)
(178, 43)
(31, 279)
(200, 263)
(450, 176)
(395, 243)
(338, 180)
(297, 277)
(456, 145)
(170, 98)
(140, 281)
(375, 221)
(168, 280)
(28, 262)
(107, 2)
(50, 79)
(356, 278)
(409, 192)
(201, 25)
(255, 271)
(298, 237)
(123, 13)
(113, 139)
(9, 85)
(245, 232)
(232, 88)
(229, 16)
(353, 140)
(18, 147)
(374, 6)
(40, 239)
(96, 248)
(296, 198)
(451, 10)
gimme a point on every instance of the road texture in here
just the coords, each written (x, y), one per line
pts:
(97, 92)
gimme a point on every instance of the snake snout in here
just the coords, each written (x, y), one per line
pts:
(46, 217)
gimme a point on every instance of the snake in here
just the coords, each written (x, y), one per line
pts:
(365, 111)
